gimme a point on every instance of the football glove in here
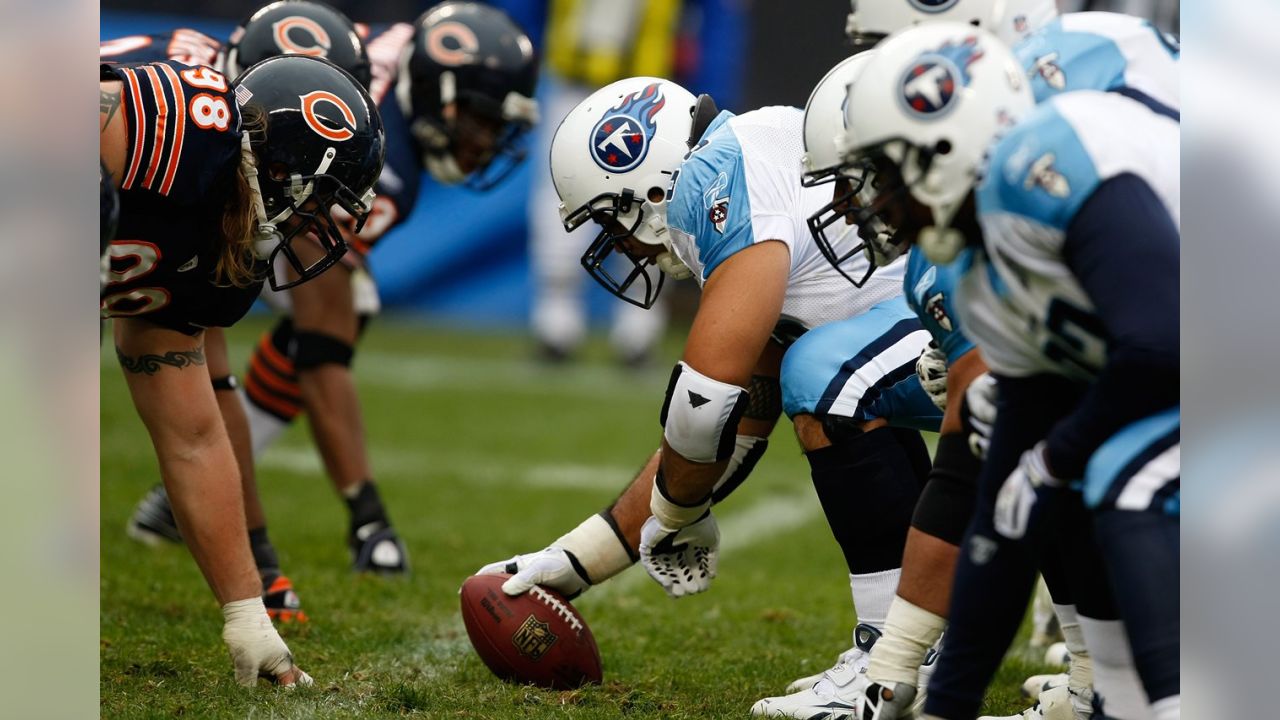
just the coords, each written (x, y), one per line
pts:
(555, 568)
(978, 413)
(1019, 494)
(256, 648)
(931, 368)
(682, 560)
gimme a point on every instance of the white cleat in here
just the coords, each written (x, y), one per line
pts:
(1057, 703)
(830, 694)
(1037, 684)
(1057, 655)
(855, 656)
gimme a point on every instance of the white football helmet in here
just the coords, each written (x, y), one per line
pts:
(930, 103)
(612, 161)
(824, 122)
(870, 21)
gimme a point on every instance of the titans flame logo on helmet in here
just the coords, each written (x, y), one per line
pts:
(929, 85)
(620, 140)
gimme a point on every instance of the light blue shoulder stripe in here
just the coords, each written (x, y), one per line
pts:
(1039, 170)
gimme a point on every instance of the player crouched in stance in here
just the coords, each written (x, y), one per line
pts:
(278, 28)
(455, 90)
(1065, 237)
(680, 189)
(217, 180)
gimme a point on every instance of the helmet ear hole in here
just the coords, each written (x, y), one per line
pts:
(943, 147)
(656, 194)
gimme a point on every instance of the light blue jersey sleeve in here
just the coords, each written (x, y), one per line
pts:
(1108, 52)
(710, 202)
(930, 291)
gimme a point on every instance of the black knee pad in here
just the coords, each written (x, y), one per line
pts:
(947, 503)
(312, 349)
(868, 489)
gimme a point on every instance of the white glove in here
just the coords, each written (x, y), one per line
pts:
(978, 414)
(550, 568)
(1018, 495)
(682, 560)
(931, 368)
(256, 648)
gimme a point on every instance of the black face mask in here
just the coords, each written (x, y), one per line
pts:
(836, 212)
(327, 191)
(605, 210)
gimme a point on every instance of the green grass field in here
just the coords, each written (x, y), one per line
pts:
(480, 453)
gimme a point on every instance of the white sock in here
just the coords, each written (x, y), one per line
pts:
(1114, 676)
(909, 632)
(264, 427)
(1169, 708)
(873, 593)
(1080, 671)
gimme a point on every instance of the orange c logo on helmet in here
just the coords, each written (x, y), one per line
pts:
(319, 46)
(465, 44)
(320, 125)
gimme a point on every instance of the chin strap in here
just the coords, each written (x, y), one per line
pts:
(266, 237)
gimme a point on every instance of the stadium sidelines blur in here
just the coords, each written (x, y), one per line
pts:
(480, 453)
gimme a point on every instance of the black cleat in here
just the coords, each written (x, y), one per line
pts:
(375, 547)
(152, 522)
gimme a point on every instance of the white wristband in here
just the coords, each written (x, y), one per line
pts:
(247, 613)
(598, 549)
(671, 515)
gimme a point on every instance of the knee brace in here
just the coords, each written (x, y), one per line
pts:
(700, 415)
(946, 505)
(312, 349)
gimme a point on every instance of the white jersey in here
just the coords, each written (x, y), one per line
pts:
(1103, 51)
(1017, 298)
(741, 185)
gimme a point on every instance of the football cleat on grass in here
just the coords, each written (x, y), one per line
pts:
(856, 656)
(1057, 703)
(152, 521)
(283, 604)
(375, 547)
(1036, 684)
(1057, 655)
(832, 693)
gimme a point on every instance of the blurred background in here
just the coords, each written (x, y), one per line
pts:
(497, 259)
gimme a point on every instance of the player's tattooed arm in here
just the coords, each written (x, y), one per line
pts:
(151, 364)
(108, 104)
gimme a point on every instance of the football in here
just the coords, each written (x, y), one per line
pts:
(536, 638)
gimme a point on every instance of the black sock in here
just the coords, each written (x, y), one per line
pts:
(366, 507)
(264, 555)
(868, 486)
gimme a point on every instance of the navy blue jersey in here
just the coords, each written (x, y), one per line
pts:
(182, 155)
(401, 179)
(189, 47)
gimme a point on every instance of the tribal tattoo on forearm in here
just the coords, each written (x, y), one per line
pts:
(151, 364)
(108, 104)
